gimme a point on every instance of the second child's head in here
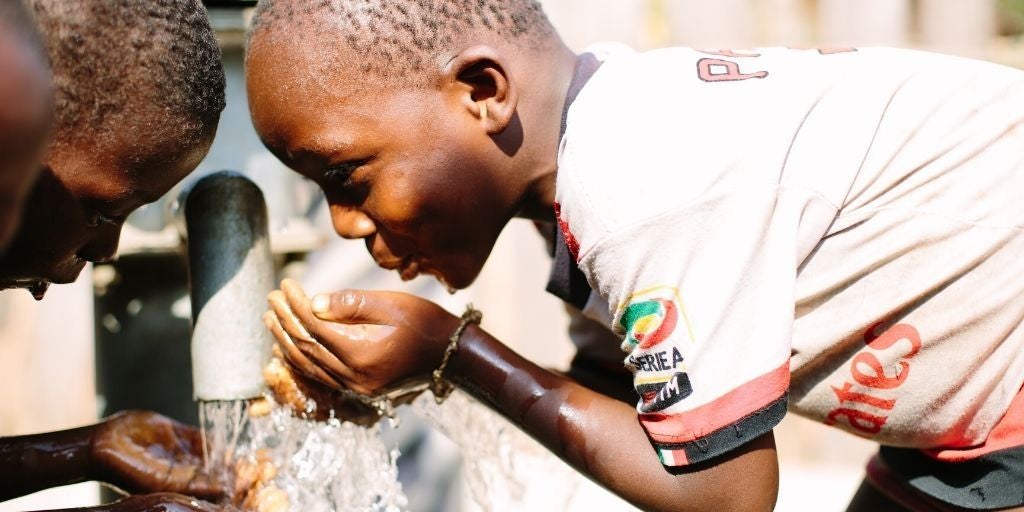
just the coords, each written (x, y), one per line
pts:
(138, 90)
(427, 123)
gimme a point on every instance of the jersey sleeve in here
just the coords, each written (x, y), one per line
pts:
(691, 187)
(703, 297)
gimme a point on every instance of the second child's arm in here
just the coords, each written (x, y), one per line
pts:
(372, 341)
(137, 451)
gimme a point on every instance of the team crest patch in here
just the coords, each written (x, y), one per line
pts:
(651, 317)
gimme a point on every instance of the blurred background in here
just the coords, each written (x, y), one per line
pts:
(118, 338)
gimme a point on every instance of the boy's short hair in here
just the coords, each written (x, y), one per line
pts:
(401, 36)
(110, 57)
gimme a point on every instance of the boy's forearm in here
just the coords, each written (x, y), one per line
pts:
(602, 437)
(40, 461)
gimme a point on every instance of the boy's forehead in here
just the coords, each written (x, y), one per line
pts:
(305, 63)
(292, 94)
(145, 159)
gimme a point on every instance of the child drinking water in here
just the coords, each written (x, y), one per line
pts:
(832, 232)
(137, 92)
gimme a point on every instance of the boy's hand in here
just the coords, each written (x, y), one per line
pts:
(141, 451)
(368, 342)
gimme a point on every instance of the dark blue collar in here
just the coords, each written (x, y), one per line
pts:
(567, 282)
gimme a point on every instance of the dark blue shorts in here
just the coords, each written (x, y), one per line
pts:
(993, 481)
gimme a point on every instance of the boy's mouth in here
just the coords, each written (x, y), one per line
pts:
(409, 268)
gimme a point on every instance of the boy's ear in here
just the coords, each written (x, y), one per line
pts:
(480, 77)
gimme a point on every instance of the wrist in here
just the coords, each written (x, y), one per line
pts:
(87, 440)
(481, 365)
(440, 384)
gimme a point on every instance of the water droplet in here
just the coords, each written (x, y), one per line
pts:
(38, 289)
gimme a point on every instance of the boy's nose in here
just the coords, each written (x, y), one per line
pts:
(102, 247)
(351, 223)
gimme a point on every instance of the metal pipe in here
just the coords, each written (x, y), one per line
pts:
(231, 270)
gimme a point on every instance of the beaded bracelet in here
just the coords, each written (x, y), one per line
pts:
(440, 387)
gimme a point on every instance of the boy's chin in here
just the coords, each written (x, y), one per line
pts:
(65, 275)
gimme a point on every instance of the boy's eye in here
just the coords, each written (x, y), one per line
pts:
(98, 219)
(341, 173)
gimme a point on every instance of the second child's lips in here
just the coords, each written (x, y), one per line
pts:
(409, 269)
(392, 263)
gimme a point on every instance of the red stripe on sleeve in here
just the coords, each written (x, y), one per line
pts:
(725, 410)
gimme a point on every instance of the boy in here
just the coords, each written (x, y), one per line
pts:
(834, 232)
(138, 92)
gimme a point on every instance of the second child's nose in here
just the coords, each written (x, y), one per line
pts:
(102, 247)
(351, 223)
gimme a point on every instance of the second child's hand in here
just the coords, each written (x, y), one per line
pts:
(141, 451)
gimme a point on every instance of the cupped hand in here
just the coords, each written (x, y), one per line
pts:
(143, 452)
(308, 398)
(367, 342)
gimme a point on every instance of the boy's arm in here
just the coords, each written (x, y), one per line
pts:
(602, 438)
(137, 451)
(370, 342)
(36, 462)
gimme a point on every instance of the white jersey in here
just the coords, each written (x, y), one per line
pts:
(839, 232)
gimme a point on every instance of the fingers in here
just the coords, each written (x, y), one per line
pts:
(307, 346)
(287, 315)
(347, 306)
(323, 358)
(190, 440)
(293, 355)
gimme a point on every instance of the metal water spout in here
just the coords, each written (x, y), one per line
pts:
(231, 270)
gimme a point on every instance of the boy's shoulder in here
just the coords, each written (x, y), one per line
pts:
(673, 126)
(656, 130)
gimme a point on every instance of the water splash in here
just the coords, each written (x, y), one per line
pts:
(339, 466)
(319, 466)
(328, 466)
(500, 462)
(223, 427)
(38, 289)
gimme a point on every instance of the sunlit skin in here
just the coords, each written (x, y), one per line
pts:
(83, 194)
(137, 451)
(428, 176)
(418, 174)
(26, 112)
(73, 215)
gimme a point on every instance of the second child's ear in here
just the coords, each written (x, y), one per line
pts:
(480, 78)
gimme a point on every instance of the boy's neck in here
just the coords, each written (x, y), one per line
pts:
(541, 109)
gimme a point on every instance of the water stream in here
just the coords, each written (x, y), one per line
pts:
(295, 464)
(316, 466)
